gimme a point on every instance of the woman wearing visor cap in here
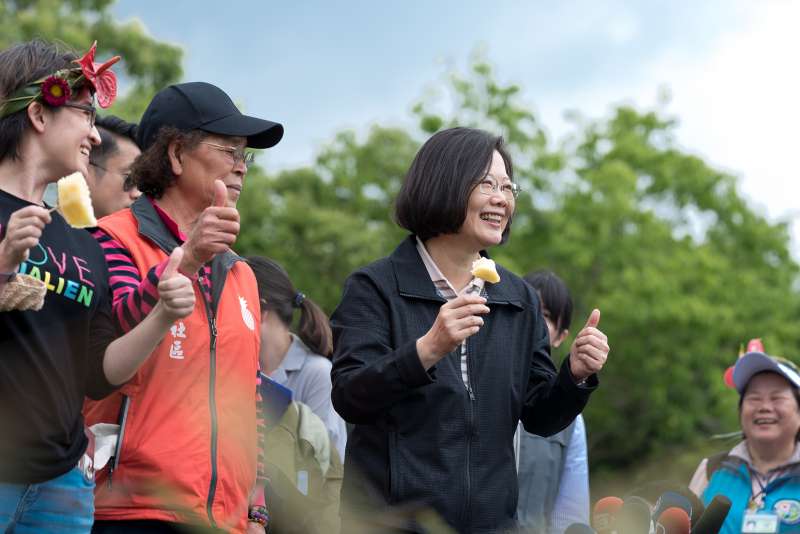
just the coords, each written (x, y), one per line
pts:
(187, 451)
(760, 475)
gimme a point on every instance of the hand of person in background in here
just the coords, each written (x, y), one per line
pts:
(175, 291)
(590, 349)
(23, 231)
(457, 320)
(214, 232)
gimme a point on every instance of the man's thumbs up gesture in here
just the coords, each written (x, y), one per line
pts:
(589, 350)
(214, 232)
(175, 291)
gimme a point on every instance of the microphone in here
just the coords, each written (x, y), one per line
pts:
(579, 528)
(634, 518)
(672, 499)
(604, 517)
(697, 504)
(712, 519)
(673, 520)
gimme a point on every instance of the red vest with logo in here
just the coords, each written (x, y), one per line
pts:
(189, 446)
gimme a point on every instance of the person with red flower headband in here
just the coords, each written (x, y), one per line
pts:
(61, 345)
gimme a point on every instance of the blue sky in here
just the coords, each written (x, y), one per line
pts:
(321, 66)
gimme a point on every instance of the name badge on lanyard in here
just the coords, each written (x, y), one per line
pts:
(760, 523)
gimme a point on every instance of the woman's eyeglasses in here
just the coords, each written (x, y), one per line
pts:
(510, 190)
(91, 111)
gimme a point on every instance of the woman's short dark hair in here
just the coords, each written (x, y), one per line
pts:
(435, 193)
(20, 65)
(279, 296)
(152, 170)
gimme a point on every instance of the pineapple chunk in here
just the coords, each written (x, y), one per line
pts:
(75, 202)
(484, 268)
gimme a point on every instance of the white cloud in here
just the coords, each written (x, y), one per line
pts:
(738, 103)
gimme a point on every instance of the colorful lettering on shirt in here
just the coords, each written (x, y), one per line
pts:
(48, 266)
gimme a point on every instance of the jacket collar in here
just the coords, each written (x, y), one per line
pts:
(152, 226)
(413, 279)
(741, 452)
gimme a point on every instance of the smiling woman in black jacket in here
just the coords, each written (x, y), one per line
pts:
(434, 367)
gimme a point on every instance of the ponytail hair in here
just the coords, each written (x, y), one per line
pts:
(278, 295)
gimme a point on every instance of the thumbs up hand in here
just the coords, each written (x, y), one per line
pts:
(175, 291)
(220, 195)
(590, 349)
(213, 233)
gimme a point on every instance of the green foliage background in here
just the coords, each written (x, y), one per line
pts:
(682, 267)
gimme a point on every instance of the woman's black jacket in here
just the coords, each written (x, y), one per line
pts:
(422, 438)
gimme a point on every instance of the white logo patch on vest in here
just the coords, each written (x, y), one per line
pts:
(178, 331)
(788, 510)
(247, 315)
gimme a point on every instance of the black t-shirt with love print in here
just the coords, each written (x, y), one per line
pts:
(52, 358)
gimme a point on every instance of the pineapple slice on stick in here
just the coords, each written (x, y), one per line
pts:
(75, 201)
(485, 269)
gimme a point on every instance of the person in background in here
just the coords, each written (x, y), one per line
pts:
(298, 361)
(304, 473)
(189, 443)
(553, 471)
(59, 345)
(761, 474)
(110, 166)
(435, 366)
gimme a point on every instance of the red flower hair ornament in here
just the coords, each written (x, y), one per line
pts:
(100, 76)
(56, 89)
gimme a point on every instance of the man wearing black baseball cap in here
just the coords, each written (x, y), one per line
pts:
(189, 456)
(202, 106)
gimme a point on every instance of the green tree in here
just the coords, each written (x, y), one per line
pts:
(325, 221)
(147, 64)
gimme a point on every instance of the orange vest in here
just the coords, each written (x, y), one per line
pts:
(189, 447)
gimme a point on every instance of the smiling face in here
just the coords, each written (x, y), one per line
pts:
(488, 214)
(68, 137)
(770, 413)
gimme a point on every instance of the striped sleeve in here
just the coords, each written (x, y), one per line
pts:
(132, 297)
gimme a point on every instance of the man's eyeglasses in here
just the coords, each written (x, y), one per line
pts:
(127, 179)
(91, 111)
(510, 190)
(236, 154)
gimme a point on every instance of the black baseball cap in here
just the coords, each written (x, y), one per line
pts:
(203, 106)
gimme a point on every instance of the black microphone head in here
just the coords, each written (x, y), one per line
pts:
(652, 490)
(712, 519)
(697, 505)
(634, 518)
(579, 528)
